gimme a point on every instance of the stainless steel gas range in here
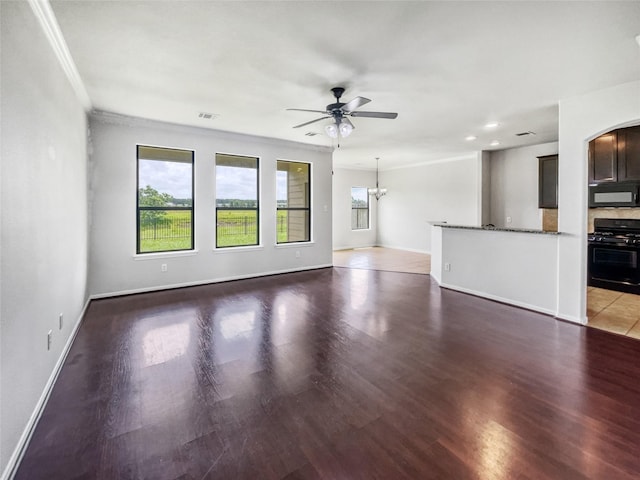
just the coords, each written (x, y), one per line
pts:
(614, 254)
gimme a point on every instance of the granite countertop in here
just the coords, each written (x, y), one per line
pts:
(495, 229)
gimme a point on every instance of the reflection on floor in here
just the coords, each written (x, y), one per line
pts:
(613, 311)
(378, 258)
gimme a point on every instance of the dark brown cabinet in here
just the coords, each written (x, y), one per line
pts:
(629, 154)
(615, 156)
(548, 181)
(603, 158)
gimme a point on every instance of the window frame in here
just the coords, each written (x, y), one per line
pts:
(368, 209)
(257, 208)
(140, 208)
(308, 208)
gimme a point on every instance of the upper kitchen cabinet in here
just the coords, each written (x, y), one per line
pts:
(615, 156)
(603, 158)
(629, 154)
(548, 181)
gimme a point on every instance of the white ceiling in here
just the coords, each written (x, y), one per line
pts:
(447, 68)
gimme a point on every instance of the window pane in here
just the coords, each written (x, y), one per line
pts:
(164, 183)
(165, 199)
(165, 230)
(359, 197)
(292, 189)
(359, 208)
(236, 227)
(293, 195)
(293, 226)
(236, 201)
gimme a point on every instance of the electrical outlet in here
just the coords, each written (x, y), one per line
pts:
(447, 267)
(163, 267)
(49, 333)
(297, 253)
(60, 321)
(508, 219)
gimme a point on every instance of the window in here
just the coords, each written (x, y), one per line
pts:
(237, 212)
(293, 202)
(165, 200)
(359, 208)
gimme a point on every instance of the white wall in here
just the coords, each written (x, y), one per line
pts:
(512, 267)
(114, 266)
(343, 236)
(44, 219)
(514, 185)
(448, 191)
(582, 119)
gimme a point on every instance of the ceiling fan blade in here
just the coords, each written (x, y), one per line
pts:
(355, 103)
(348, 122)
(374, 114)
(303, 110)
(312, 121)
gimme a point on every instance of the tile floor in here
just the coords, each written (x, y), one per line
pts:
(379, 258)
(613, 311)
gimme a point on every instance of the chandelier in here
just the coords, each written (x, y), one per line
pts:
(377, 192)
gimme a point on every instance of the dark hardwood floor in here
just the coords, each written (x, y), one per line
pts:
(337, 374)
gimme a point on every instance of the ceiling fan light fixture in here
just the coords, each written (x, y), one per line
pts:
(332, 130)
(345, 129)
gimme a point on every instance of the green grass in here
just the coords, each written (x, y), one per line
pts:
(171, 232)
(234, 228)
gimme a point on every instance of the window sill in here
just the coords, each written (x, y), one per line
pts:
(151, 256)
(250, 248)
(295, 244)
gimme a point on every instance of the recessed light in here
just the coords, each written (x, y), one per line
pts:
(495, 143)
(491, 125)
(470, 138)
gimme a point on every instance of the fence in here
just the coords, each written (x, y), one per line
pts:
(359, 218)
(239, 224)
(166, 228)
(230, 224)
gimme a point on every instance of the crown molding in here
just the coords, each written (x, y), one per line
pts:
(113, 118)
(47, 19)
(470, 156)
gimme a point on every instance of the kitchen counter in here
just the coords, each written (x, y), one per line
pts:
(495, 229)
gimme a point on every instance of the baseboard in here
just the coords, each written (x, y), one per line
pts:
(572, 319)
(497, 298)
(353, 247)
(205, 282)
(16, 457)
(395, 247)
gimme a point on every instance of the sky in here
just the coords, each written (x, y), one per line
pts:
(359, 193)
(174, 178)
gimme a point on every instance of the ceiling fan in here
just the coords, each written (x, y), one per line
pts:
(340, 112)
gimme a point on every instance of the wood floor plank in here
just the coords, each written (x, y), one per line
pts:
(336, 373)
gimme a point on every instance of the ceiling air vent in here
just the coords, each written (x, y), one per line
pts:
(311, 134)
(522, 134)
(207, 116)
